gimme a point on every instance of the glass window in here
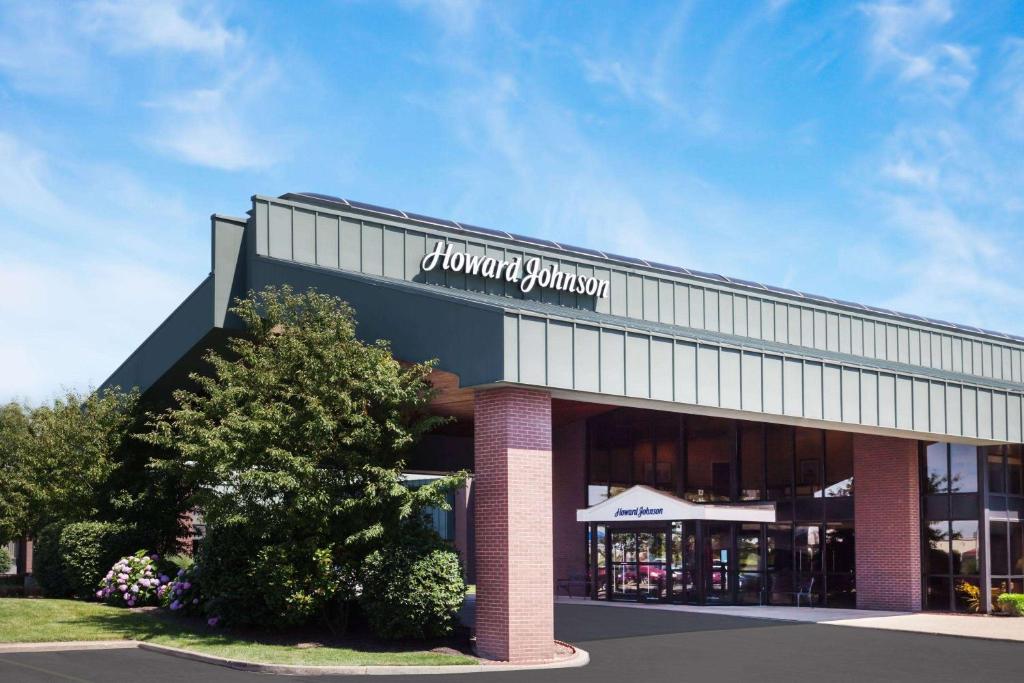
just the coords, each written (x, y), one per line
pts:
(643, 463)
(839, 549)
(963, 468)
(938, 597)
(780, 547)
(598, 466)
(807, 540)
(964, 541)
(938, 547)
(1016, 548)
(780, 461)
(665, 465)
(999, 550)
(1000, 586)
(748, 547)
(996, 471)
(621, 460)
(710, 445)
(967, 595)
(751, 461)
(1014, 471)
(838, 464)
(810, 448)
(936, 468)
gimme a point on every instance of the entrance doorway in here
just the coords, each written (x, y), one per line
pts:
(639, 564)
(693, 562)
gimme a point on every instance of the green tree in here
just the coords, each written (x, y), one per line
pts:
(293, 447)
(55, 457)
(15, 483)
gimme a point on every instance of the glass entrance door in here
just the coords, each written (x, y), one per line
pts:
(683, 567)
(639, 564)
(652, 556)
(718, 569)
(623, 565)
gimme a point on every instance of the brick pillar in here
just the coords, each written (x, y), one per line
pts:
(887, 523)
(463, 509)
(512, 510)
(568, 495)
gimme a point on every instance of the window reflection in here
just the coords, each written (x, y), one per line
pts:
(936, 468)
(938, 547)
(838, 464)
(964, 543)
(963, 468)
(810, 447)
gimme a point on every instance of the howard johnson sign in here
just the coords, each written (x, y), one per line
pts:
(638, 512)
(527, 274)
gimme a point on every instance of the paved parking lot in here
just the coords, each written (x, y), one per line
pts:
(632, 646)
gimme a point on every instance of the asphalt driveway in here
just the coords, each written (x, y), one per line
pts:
(630, 646)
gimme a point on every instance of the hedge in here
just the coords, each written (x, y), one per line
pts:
(1012, 603)
(412, 592)
(71, 560)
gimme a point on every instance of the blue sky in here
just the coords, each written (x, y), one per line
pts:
(869, 151)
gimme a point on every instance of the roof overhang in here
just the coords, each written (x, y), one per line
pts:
(644, 504)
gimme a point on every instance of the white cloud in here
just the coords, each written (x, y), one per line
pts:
(93, 260)
(458, 17)
(210, 127)
(36, 54)
(174, 25)
(903, 39)
(1009, 83)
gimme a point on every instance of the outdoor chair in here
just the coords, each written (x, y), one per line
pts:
(806, 592)
(575, 580)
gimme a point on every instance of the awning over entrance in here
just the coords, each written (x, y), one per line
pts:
(644, 504)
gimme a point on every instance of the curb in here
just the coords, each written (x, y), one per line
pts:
(578, 658)
(14, 648)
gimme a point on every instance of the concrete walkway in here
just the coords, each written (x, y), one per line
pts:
(963, 625)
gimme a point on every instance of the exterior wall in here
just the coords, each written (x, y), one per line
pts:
(391, 244)
(568, 468)
(674, 365)
(887, 520)
(512, 509)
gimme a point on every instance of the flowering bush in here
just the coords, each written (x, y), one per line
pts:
(133, 581)
(182, 593)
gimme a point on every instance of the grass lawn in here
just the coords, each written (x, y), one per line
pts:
(45, 620)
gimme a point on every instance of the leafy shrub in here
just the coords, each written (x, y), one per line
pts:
(971, 596)
(1012, 603)
(69, 559)
(47, 563)
(133, 581)
(5, 560)
(87, 548)
(250, 580)
(182, 594)
(412, 590)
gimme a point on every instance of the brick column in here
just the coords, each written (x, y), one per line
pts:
(512, 510)
(887, 522)
(463, 509)
(569, 471)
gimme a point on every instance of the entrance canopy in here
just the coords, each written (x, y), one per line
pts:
(644, 504)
